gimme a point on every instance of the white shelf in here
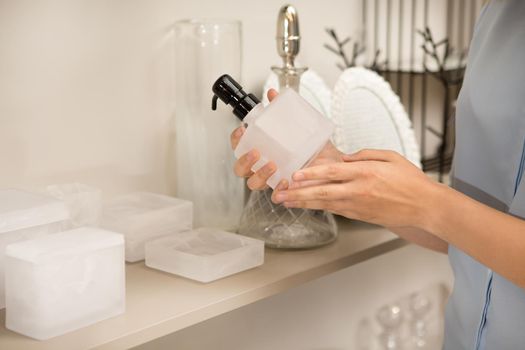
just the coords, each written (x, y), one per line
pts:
(158, 303)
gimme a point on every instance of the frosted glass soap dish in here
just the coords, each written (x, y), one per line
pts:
(204, 254)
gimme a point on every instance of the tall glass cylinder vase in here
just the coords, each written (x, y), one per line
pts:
(204, 50)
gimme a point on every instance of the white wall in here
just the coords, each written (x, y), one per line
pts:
(86, 87)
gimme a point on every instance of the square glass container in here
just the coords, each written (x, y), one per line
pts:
(204, 254)
(62, 282)
(26, 215)
(143, 216)
(83, 202)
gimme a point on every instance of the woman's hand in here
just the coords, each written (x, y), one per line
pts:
(257, 181)
(380, 187)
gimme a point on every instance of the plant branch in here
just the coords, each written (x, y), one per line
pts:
(440, 52)
(339, 49)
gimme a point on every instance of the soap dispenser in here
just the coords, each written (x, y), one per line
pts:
(289, 131)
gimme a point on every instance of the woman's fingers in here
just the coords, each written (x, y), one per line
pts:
(243, 165)
(370, 154)
(309, 183)
(328, 192)
(282, 186)
(315, 205)
(337, 207)
(272, 94)
(329, 172)
(235, 137)
(258, 180)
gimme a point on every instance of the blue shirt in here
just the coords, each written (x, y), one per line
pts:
(485, 310)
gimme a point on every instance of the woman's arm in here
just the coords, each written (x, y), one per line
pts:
(421, 238)
(495, 239)
(384, 188)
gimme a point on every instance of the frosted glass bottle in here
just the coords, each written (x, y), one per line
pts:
(289, 131)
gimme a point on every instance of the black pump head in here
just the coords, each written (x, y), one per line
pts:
(231, 93)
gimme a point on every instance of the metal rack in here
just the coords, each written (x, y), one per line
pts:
(419, 47)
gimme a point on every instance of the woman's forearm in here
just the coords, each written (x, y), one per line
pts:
(421, 238)
(493, 238)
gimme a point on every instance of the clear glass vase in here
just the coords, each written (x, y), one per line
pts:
(204, 50)
(281, 227)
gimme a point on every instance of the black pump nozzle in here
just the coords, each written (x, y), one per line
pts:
(231, 93)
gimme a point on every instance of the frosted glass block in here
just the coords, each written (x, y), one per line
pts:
(25, 215)
(83, 202)
(204, 254)
(141, 217)
(65, 281)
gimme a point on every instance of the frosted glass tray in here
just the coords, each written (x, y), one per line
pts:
(204, 254)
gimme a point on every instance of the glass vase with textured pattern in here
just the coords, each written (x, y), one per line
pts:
(278, 226)
(281, 227)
